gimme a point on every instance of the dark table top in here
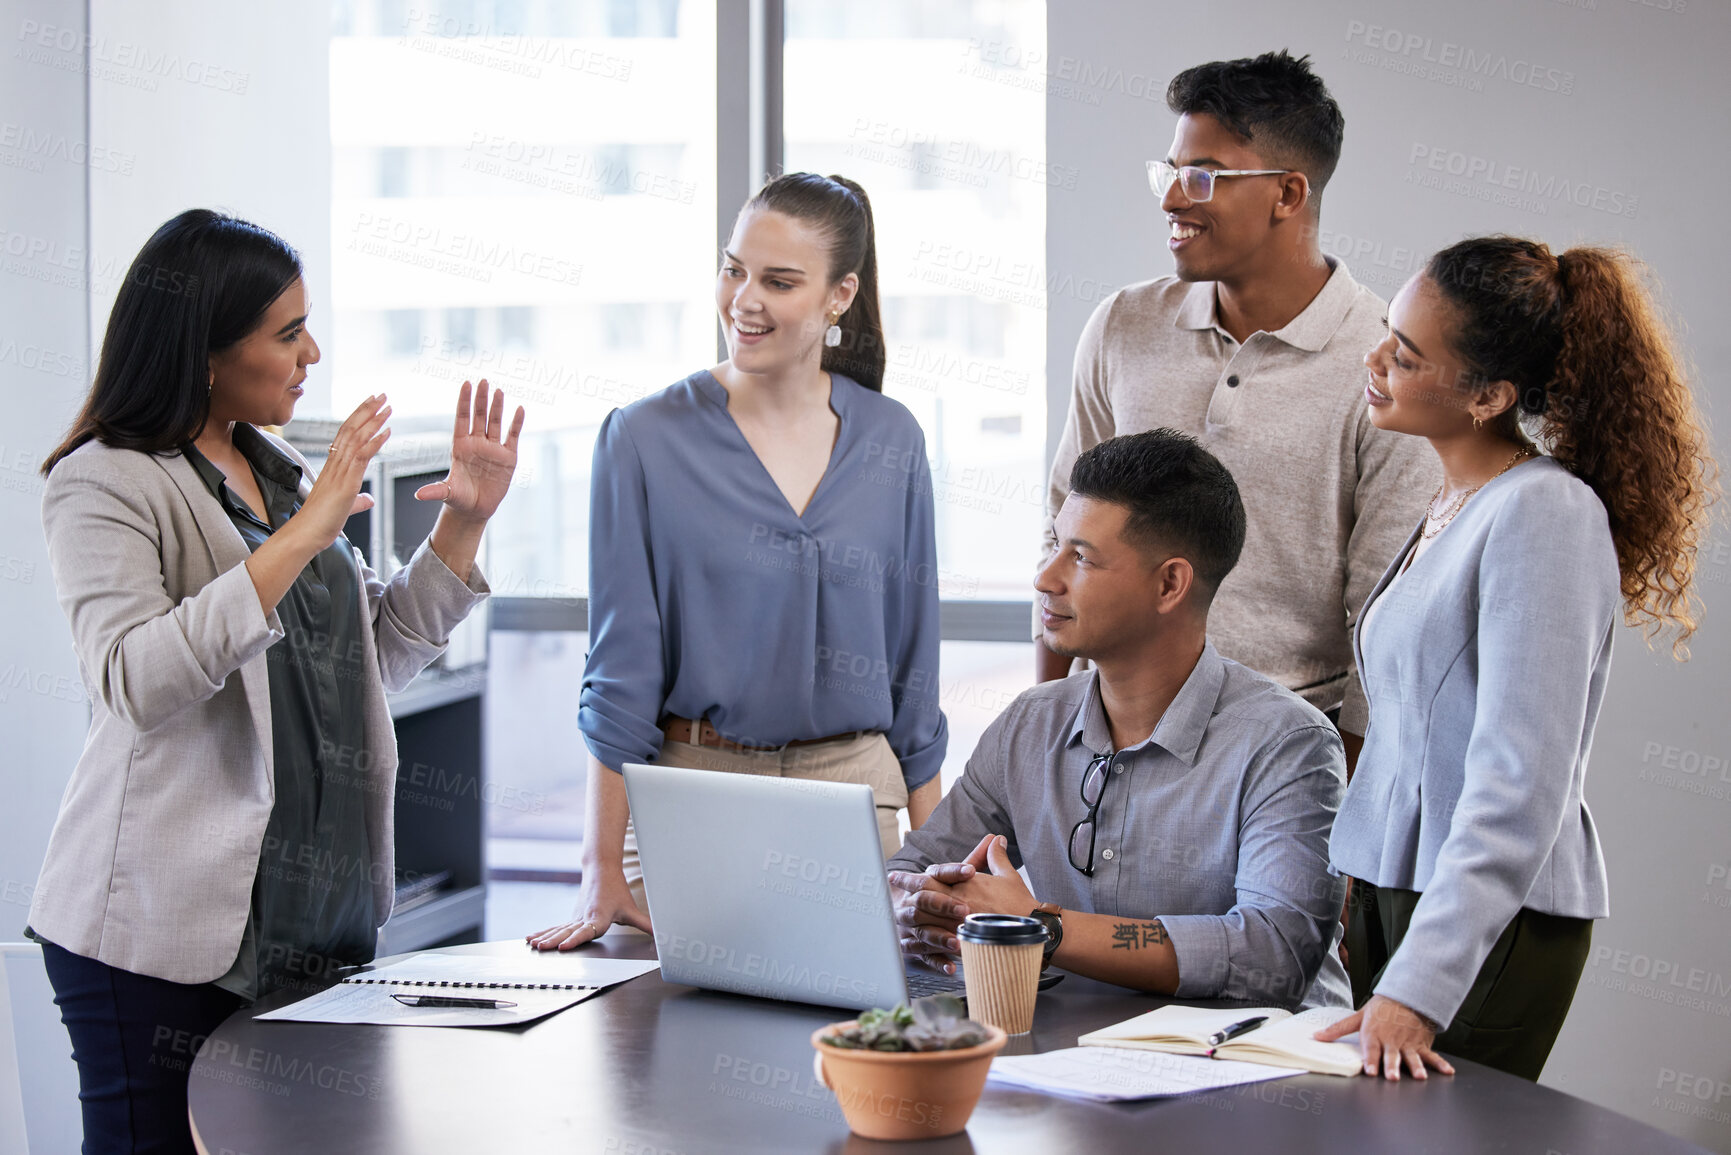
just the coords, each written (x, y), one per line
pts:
(653, 1068)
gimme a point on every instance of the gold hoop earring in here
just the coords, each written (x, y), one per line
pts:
(1478, 424)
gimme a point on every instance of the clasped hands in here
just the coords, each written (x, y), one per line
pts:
(930, 905)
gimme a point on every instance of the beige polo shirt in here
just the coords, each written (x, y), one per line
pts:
(1329, 498)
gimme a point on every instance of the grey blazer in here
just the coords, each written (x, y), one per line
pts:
(151, 862)
(1485, 666)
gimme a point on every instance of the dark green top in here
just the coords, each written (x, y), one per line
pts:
(312, 901)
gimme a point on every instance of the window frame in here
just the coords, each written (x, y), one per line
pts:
(748, 146)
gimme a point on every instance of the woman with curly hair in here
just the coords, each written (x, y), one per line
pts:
(1486, 646)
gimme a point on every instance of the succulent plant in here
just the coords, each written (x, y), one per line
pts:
(934, 1023)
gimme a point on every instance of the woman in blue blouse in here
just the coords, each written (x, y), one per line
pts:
(1486, 648)
(763, 564)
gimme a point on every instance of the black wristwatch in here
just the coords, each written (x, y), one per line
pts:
(1051, 915)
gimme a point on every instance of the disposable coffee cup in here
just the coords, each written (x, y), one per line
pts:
(1001, 968)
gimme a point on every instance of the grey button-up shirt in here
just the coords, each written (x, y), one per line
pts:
(1217, 824)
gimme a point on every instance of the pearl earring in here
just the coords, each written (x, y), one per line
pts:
(832, 336)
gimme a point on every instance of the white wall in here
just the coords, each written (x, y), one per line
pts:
(215, 105)
(1623, 90)
(44, 161)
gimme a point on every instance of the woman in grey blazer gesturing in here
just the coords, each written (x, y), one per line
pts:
(1486, 646)
(227, 831)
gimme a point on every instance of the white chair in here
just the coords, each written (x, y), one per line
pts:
(38, 1081)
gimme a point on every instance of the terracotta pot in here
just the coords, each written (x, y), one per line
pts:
(905, 1094)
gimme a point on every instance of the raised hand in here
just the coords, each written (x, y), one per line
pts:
(483, 456)
(335, 496)
(336, 492)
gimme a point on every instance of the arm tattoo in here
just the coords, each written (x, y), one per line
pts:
(1136, 935)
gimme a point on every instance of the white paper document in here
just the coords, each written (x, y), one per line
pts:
(538, 983)
(1110, 1074)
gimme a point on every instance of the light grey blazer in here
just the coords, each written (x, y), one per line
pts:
(151, 863)
(1485, 666)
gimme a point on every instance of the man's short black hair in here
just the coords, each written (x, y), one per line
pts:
(1275, 102)
(1180, 498)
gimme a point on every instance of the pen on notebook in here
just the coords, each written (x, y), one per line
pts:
(1235, 1030)
(449, 1001)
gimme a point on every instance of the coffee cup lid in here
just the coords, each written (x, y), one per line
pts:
(1003, 929)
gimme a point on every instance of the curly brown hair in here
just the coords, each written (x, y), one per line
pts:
(1594, 362)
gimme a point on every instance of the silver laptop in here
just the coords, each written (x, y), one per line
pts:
(771, 887)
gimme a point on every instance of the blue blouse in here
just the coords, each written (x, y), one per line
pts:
(709, 597)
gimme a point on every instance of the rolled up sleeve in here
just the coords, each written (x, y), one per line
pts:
(974, 807)
(1270, 944)
(919, 733)
(625, 680)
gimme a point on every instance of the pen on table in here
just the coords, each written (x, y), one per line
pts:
(449, 1001)
(1235, 1030)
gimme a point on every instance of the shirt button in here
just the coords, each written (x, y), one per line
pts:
(1106, 854)
(1232, 381)
(1117, 769)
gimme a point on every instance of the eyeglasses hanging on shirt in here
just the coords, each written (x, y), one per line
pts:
(1093, 789)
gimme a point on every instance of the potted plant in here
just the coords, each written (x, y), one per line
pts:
(908, 1073)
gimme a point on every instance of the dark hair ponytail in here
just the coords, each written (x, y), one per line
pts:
(199, 285)
(841, 209)
(1590, 357)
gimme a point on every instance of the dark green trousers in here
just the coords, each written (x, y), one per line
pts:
(1518, 1002)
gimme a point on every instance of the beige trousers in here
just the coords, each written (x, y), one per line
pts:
(864, 758)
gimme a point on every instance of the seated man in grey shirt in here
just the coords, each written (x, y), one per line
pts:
(1172, 807)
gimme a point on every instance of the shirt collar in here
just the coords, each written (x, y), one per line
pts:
(207, 473)
(1197, 311)
(1310, 331)
(1180, 729)
(266, 457)
(269, 461)
(706, 383)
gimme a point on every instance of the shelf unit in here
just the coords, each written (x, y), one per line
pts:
(440, 819)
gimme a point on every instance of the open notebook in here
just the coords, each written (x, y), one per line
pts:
(1283, 1041)
(537, 983)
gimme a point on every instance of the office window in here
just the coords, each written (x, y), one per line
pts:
(402, 332)
(954, 163)
(516, 327)
(393, 165)
(462, 326)
(523, 190)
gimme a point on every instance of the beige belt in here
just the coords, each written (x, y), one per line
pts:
(701, 733)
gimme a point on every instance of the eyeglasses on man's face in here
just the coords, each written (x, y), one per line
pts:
(1197, 183)
(1082, 834)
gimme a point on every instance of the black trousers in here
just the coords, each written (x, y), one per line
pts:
(133, 1038)
(1516, 1006)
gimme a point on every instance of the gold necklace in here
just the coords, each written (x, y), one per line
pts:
(1435, 523)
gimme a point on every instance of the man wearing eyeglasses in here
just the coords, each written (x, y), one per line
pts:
(1172, 807)
(1256, 347)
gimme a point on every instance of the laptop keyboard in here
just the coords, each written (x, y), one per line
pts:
(924, 982)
